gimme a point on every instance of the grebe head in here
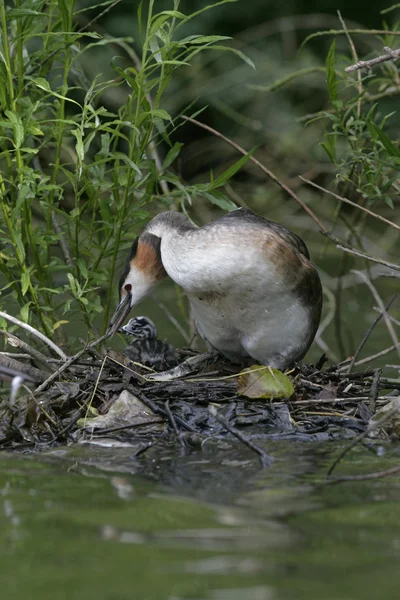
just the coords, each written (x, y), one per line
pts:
(141, 328)
(144, 268)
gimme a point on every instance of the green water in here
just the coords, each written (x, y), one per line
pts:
(87, 523)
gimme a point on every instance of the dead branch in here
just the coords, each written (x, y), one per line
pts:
(368, 64)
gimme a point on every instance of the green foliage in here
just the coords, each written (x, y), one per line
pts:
(78, 178)
(365, 156)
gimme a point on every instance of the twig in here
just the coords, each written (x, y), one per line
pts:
(123, 427)
(30, 373)
(265, 459)
(368, 333)
(379, 301)
(98, 16)
(363, 435)
(92, 395)
(395, 321)
(31, 352)
(35, 332)
(368, 64)
(69, 362)
(374, 391)
(173, 423)
(342, 245)
(260, 166)
(16, 355)
(376, 475)
(161, 411)
(380, 261)
(355, 57)
(319, 402)
(343, 365)
(174, 321)
(350, 202)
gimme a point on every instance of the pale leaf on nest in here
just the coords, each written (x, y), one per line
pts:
(264, 382)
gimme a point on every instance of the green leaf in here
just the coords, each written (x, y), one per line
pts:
(172, 155)
(329, 145)
(42, 84)
(226, 175)
(204, 39)
(238, 53)
(331, 79)
(220, 200)
(82, 268)
(72, 283)
(25, 281)
(15, 13)
(24, 313)
(121, 156)
(58, 324)
(264, 382)
(17, 127)
(173, 13)
(79, 144)
(384, 139)
(62, 6)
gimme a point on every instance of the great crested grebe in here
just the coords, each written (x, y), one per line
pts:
(254, 294)
(146, 348)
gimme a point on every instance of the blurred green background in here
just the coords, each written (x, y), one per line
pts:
(282, 110)
(268, 109)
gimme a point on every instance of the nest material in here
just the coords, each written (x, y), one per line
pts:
(104, 397)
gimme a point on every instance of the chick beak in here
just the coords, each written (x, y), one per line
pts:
(121, 312)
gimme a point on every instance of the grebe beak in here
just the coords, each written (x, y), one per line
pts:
(121, 312)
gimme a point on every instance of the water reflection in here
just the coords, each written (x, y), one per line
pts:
(94, 523)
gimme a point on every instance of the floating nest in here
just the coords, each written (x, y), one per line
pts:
(107, 399)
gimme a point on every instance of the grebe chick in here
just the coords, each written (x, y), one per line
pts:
(146, 349)
(254, 293)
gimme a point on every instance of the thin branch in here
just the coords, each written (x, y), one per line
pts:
(368, 64)
(174, 321)
(369, 331)
(355, 57)
(260, 166)
(69, 362)
(363, 361)
(98, 16)
(14, 341)
(172, 420)
(35, 332)
(351, 203)
(379, 301)
(366, 477)
(371, 427)
(368, 257)
(265, 459)
(31, 373)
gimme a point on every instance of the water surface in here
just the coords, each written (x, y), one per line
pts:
(88, 522)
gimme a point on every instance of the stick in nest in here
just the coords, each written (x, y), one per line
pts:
(265, 459)
(358, 439)
(35, 332)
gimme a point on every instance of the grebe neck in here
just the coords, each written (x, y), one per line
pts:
(169, 222)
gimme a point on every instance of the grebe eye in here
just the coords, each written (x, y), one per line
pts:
(128, 287)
